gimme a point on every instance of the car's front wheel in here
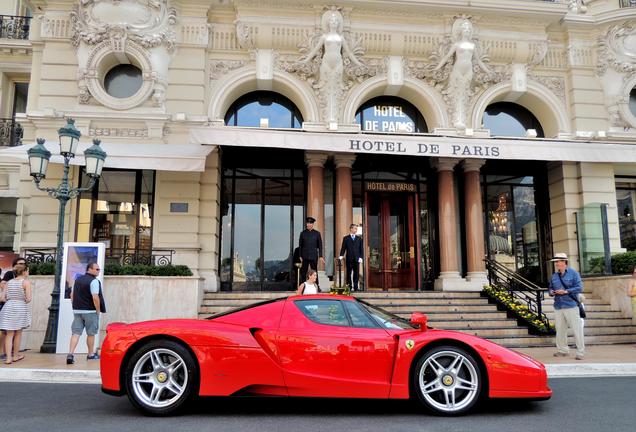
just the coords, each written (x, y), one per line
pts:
(160, 377)
(447, 380)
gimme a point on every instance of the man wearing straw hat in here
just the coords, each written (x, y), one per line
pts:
(565, 287)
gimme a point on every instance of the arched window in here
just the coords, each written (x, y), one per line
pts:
(632, 101)
(264, 109)
(390, 114)
(510, 119)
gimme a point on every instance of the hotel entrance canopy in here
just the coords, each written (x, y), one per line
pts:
(160, 157)
(431, 145)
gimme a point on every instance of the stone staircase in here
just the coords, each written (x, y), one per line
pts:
(467, 312)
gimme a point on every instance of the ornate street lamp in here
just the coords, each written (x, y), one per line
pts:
(38, 161)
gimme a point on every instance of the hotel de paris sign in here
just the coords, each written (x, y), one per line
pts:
(417, 145)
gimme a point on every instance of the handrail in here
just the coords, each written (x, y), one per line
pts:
(122, 256)
(520, 288)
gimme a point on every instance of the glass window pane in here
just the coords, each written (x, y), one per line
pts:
(146, 207)
(247, 236)
(123, 81)
(625, 200)
(20, 98)
(358, 317)
(249, 110)
(114, 217)
(328, 312)
(390, 114)
(226, 231)
(632, 101)
(509, 119)
(8, 208)
(277, 259)
(526, 238)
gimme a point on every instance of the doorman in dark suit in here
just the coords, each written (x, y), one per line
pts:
(310, 245)
(352, 247)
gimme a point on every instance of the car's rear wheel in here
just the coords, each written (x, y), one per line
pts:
(160, 377)
(447, 380)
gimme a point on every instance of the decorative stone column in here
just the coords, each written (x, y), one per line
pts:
(449, 277)
(316, 192)
(344, 196)
(475, 251)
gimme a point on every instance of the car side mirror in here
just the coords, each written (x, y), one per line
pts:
(419, 319)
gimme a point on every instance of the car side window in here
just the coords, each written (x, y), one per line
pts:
(330, 312)
(358, 317)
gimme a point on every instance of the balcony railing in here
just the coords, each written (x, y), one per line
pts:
(627, 3)
(10, 132)
(14, 27)
(157, 257)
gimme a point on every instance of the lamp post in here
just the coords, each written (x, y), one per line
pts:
(38, 162)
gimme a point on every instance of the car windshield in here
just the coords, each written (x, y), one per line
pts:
(242, 308)
(386, 319)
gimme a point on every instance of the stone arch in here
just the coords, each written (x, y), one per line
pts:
(429, 103)
(243, 81)
(538, 99)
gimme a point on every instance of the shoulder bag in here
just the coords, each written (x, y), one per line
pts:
(582, 313)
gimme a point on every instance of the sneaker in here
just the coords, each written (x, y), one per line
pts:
(560, 354)
(70, 359)
(93, 357)
(579, 357)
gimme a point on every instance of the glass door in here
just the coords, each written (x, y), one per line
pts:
(391, 241)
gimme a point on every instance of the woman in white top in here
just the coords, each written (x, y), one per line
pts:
(309, 286)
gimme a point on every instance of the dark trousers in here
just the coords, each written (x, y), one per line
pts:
(353, 267)
(304, 267)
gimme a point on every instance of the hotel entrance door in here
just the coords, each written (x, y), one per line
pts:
(391, 245)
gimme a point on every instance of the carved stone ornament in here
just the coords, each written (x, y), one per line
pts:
(577, 6)
(218, 68)
(106, 31)
(555, 84)
(331, 61)
(617, 49)
(244, 35)
(458, 69)
(150, 23)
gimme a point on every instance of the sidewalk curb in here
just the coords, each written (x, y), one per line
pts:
(72, 376)
(50, 376)
(589, 370)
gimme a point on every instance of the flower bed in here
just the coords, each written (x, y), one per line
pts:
(505, 301)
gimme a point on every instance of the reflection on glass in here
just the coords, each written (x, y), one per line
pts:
(277, 260)
(625, 200)
(632, 101)
(249, 110)
(509, 119)
(247, 218)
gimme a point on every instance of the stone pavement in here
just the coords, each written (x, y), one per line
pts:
(600, 360)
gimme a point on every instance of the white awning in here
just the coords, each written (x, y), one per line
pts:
(420, 144)
(160, 157)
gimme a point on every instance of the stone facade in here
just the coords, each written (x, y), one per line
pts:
(571, 63)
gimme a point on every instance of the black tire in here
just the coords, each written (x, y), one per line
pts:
(160, 377)
(447, 381)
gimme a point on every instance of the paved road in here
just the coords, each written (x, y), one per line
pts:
(590, 404)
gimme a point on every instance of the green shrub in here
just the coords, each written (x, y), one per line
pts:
(623, 263)
(45, 268)
(112, 269)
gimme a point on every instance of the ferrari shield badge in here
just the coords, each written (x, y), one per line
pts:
(409, 344)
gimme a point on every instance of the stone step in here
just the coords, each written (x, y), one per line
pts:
(488, 333)
(538, 341)
(605, 315)
(417, 294)
(383, 303)
(450, 316)
(475, 324)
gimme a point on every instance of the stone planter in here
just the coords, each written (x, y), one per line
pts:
(128, 299)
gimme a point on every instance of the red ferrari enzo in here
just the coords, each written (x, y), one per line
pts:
(311, 346)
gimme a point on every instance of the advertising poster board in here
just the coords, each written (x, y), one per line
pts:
(76, 258)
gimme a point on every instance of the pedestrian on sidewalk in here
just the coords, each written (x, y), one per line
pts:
(15, 315)
(88, 303)
(631, 292)
(3, 286)
(565, 287)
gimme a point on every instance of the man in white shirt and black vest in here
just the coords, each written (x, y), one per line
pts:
(88, 303)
